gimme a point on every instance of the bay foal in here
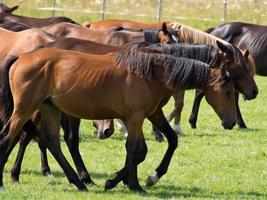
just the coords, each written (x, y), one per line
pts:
(61, 76)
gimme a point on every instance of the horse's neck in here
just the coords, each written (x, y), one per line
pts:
(6, 33)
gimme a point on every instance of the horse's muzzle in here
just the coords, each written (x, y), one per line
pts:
(251, 95)
(228, 124)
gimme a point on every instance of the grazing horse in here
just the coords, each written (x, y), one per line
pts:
(33, 22)
(241, 71)
(5, 9)
(104, 128)
(245, 36)
(137, 85)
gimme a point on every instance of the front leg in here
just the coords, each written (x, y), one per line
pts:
(194, 113)
(136, 153)
(162, 124)
(239, 118)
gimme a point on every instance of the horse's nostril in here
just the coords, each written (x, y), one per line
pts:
(255, 92)
(107, 131)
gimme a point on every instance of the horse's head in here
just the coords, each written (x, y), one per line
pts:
(219, 93)
(236, 65)
(5, 9)
(167, 35)
(104, 128)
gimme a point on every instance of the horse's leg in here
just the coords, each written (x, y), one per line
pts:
(8, 141)
(136, 153)
(179, 104)
(49, 137)
(239, 118)
(45, 169)
(71, 135)
(194, 113)
(162, 124)
(122, 128)
(24, 141)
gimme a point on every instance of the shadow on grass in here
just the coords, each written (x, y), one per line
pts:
(60, 174)
(168, 191)
(160, 191)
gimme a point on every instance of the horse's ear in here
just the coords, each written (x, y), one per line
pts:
(164, 28)
(14, 7)
(224, 48)
(245, 53)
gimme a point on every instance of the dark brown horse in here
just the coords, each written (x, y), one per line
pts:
(245, 36)
(69, 82)
(31, 21)
(14, 26)
(5, 9)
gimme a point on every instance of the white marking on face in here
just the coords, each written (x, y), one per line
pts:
(177, 129)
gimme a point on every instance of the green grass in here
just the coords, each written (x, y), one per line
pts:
(210, 163)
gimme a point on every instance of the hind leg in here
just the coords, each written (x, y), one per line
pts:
(71, 136)
(24, 141)
(45, 169)
(49, 137)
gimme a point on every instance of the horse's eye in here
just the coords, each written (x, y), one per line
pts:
(228, 94)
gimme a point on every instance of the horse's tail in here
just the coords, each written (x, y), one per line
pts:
(6, 98)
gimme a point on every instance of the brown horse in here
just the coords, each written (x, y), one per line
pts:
(190, 35)
(14, 26)
(108, 24)
(33, 22)
(112, 37)
(5, 9)
(245, 36)
(244, 65)
(79, 85)
(16, 43)
(104, 128)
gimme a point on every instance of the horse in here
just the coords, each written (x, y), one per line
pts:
(108, 24)
(104, 128)
(190, 35)
(245, 36)
(5, 9)
(244, 64)
(33, 22)
(13, 26)
(116, 37)
(67, 80)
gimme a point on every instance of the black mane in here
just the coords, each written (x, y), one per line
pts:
(178, 72)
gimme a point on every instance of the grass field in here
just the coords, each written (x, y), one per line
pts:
(210, 163)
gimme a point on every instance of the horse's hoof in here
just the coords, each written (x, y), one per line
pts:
(82, 187)
(152, 180)
(46, 172)
(242, 125)
(109, 185)
(138, 189)
(15, 179)
(159, 138)
(193, 124)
